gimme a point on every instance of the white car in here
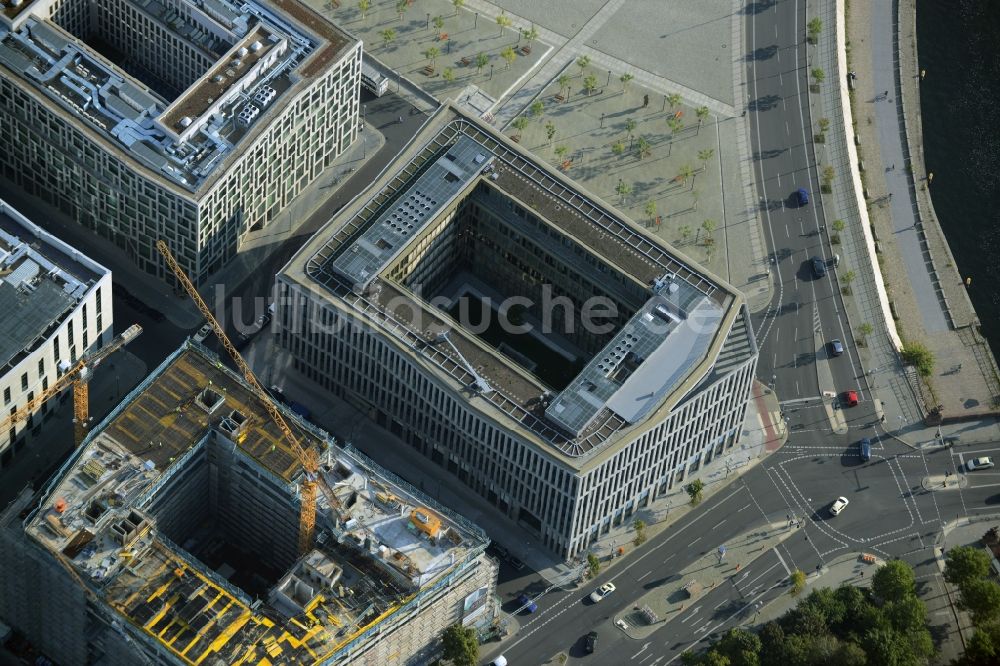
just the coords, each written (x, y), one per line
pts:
(602, 591)
(979, 463)
(839, 505)
(203, 333)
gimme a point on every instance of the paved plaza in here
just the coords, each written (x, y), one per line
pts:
(458, 38)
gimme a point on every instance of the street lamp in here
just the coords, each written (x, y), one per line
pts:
(427, 25)
(609, 79)
(491, 72)
(476, 22)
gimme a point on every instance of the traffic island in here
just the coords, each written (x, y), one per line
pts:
(669, 597)
(948, 481)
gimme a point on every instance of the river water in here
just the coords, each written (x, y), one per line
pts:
(959, 46)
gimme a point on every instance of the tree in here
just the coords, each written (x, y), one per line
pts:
(363, 7)
(509, 55)
(481, 61)
(643, 147)
(982, 599)
(550, 130)
(838, 225)
(815, 26)
(740, 646)
(563, 81)
(824, 124)
(625, 79)
(448, 74)
(618, 147)
(709, 227)
(702, 113)
(530, 35)
(503, 21)
(630, 126)
(893, 581)
(561, 151)
(640, 532)
(818, 75)
(798, 582)
(458, 5)
(432, 54)
(847, 278)
(685, 231)
(865, 329)
(593, 565)
(694, 490)
(537, 108)
(388, 35)
(438, 22)
(590, 83)
(685, 172)
(401, 8)
(828, 175)
(919, 356)
(460, 645)
(673, 99)
(705, 156)
(583, 62)
(906, 615)
(965, 563)
(675, 124)
(650, 210)
(623, 189)
(519, 124)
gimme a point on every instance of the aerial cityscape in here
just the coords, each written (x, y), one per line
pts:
(468, 332)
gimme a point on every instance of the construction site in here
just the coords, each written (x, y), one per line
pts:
(174, 535)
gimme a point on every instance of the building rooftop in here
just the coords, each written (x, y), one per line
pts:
(387, 545)
(657, 356)
(41, 281)
(259, 55)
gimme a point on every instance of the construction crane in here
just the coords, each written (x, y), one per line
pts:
(308, 458)
(77, 376)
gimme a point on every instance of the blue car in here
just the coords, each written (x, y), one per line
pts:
(525, 602)
(802, 196)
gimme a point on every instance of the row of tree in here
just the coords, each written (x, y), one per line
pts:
(885, 625)
(968, 568)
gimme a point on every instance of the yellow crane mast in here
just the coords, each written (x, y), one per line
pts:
(308, 458)
(78, 376)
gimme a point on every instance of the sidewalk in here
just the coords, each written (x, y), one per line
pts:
(898, 392)
(848, 569)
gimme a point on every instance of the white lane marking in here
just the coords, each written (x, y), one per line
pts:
(718, 523)
(644, 575)
(644, 648)
(782, 560)
(744, 507)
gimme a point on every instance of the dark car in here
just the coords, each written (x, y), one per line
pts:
(516, 563)
(591, 641)
(525, 602)
(836, 347)
(802, 196)
(818, 267)
(865, 449)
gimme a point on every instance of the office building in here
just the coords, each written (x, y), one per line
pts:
(171, 537)
(56, 305)
(193, 121)
(520, 333)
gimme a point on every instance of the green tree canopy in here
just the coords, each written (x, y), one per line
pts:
(460, 645)
(982, 599)
(893, 581)
(966, 563)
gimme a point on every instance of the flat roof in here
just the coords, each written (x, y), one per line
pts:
(390, 543)
(642, 368)
(145, 126)
(40, 284)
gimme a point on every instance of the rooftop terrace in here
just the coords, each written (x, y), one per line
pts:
(390, 546)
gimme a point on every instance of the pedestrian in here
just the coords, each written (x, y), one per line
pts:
(401, 120)
(885, 94)
(890, 195)
(645, 101)
(894, 166)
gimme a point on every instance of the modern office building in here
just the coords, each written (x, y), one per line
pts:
(171, 537)
(193, 121)
(520, 333)
(56, 305)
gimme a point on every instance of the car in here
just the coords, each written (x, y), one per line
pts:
(516, 563)
(979, 463)
(203, 333)
(499, 661)
(802, 196)
(818, 267)
(849, 398)
(501, 552)
(865, 449)
(591, 643)
(836, 348)
(602, 591)
(525, 602)
(838, 506)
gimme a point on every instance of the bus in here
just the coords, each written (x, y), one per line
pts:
(373, 80)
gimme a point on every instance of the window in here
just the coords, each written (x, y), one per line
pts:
(41, 367)
(24, 382)
(6, 396)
